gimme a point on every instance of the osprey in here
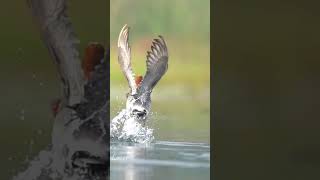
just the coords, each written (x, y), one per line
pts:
(80, 137)
(138, 103)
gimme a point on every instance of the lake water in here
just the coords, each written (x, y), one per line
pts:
(178, 113)
(160, 160)
(180, 149)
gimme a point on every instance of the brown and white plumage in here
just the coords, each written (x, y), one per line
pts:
(124, 58)
(60, 39)
(80, 128)
(129, 122)
(157, 62)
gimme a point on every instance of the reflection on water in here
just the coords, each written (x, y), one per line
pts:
(160, 160)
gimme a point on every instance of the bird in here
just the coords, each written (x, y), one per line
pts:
(138, 102)
(80, 135)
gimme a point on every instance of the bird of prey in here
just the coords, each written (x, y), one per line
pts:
(80, 137)
(138, 103)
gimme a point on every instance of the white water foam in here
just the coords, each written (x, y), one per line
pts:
(124, 127)
(45, 167)
(39, 167)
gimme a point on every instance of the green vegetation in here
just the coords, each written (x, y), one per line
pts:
(178, 19)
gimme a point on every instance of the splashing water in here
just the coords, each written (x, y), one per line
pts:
(40, 168)
(125, 127)
(47, 166)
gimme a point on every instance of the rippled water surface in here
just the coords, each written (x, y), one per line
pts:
(160, 160)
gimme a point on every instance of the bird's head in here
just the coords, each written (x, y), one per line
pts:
(139, 104)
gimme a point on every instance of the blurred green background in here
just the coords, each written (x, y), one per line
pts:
(181, 103)
(28, 77)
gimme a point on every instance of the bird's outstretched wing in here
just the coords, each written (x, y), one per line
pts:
(124, 58)
(157, 65)
(59, 37)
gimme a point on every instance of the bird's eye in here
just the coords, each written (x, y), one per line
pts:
(127, 95)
